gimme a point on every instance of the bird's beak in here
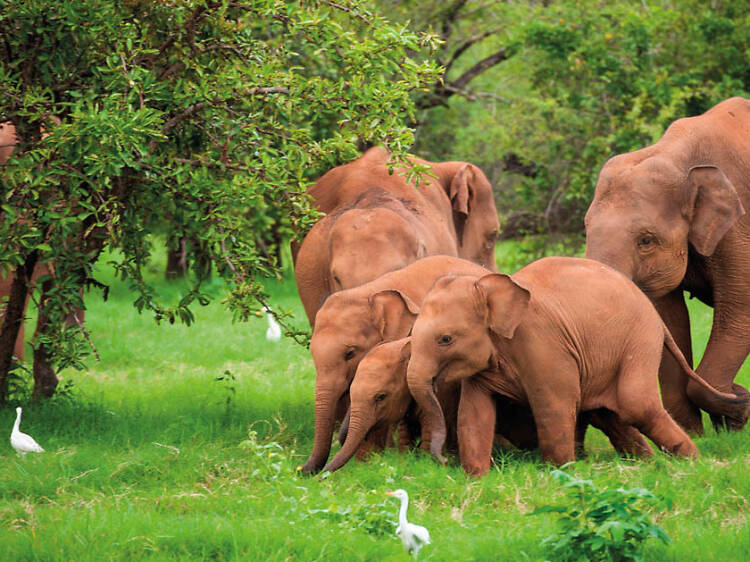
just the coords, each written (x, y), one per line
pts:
(389, 494)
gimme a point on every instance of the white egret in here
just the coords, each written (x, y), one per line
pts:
(273, 333)
(21, 442)
(412, 536)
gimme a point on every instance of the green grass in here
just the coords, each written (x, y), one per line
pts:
(151, 457)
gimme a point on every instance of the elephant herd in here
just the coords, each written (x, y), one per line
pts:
(418, 339)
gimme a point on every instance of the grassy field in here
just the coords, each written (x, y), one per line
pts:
(183, 443)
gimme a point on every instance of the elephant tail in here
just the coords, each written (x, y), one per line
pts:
(671, 345)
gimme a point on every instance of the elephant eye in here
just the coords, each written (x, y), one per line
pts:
(646, 240)
(349, 354)
(380, 397)
(445, 340)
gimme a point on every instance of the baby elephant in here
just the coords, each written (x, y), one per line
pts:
(563, 335)
(380, 401)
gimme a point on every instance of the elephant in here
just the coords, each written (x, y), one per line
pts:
(351, 246)
(353, 321)
(19, 350)
(380, 402)
(562, 335)
(671, 217)
(377, 222)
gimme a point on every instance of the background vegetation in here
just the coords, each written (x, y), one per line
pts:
(572, 83)
(199, 123)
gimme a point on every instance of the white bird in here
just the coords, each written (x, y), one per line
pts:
(412, 536)
(21, 442)
(273, 333)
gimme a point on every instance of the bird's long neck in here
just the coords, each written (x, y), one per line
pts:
(402, 513)
(17, 424)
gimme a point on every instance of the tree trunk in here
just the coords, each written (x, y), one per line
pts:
(45, 379)
(12, 320)
(177, 263)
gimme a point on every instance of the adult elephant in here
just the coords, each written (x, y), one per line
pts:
(377, 222)
(672, 218)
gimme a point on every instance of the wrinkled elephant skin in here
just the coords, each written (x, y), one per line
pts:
(671, 217)
(377, 222)
(563, 335)
(353, 321)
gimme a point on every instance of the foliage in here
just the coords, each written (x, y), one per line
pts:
(368, 512)
(606, 524)
(204, 118)
(585, 80)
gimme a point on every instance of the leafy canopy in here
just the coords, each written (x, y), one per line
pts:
(206, 118)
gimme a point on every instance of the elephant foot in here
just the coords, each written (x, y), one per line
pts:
(732, 423)
(725, 423)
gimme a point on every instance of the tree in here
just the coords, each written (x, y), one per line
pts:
(210, 116)
(583, 80)
(465, 28)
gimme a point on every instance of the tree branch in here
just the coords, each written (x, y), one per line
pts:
(462, 48)
(488, 62)
(349, 11)
(450, 17)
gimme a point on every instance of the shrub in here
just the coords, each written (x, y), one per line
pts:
(601, 524)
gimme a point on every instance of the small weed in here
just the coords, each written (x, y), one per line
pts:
(268, 457)
(601, 524)
(228, 382)
(366, 512)
(19, 384)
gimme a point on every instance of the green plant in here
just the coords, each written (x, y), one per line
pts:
(366, 512)
(200, 119)
(607, 524)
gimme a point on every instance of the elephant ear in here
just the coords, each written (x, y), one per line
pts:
(393, 313)
(506, 302)
(716, 207)
(406, 350)
(461, 194)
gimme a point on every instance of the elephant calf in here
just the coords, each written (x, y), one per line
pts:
(352, 322)
(563, 335)
(380, 402)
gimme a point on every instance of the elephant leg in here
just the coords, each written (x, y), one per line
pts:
(626, 439)
(405, 438)
(638, 402)
(659, 426)
(582, 424)
(727, 349)
(476, 428)
(672, 379)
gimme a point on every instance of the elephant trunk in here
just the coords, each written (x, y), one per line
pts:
(344, 429)
(420, 386)
(326, 401)
(359, 425)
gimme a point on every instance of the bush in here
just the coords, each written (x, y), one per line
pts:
(601, 524)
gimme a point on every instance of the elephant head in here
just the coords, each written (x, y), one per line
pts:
(474, 212)
(454, 337)
(348, 325)
(647, 211)
(379, 399)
